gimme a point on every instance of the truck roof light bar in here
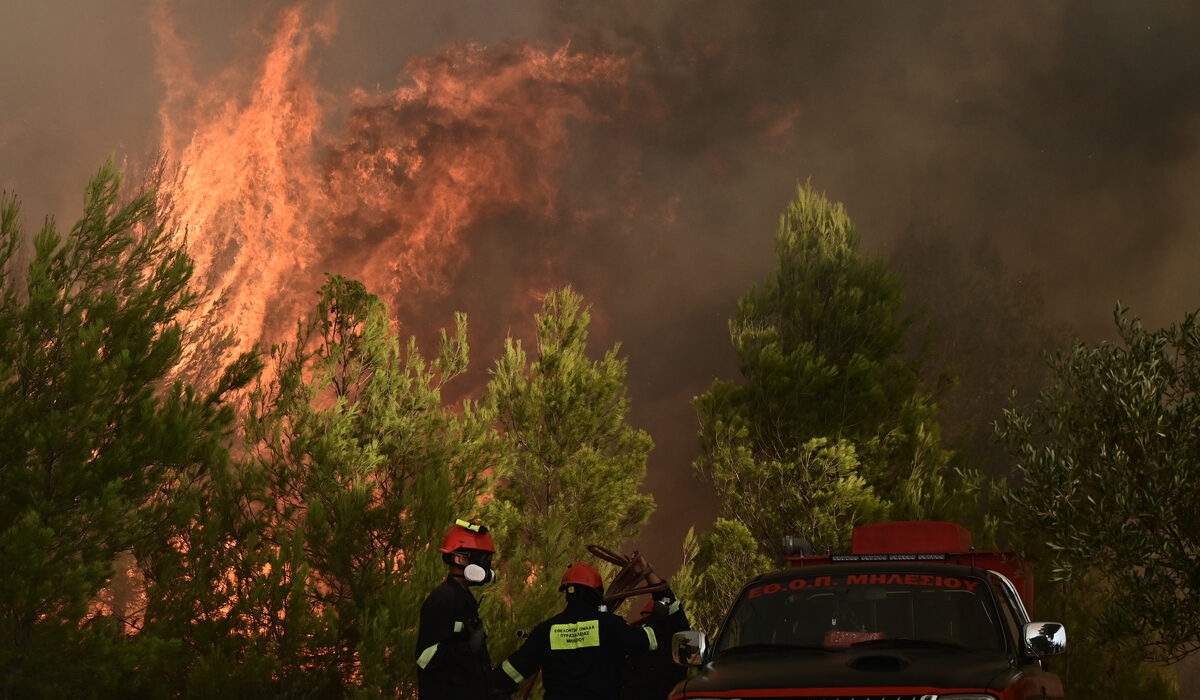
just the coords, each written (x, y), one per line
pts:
(916, 556)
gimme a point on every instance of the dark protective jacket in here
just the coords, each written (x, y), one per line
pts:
(452, 654)
(652, 676)
(580, 652)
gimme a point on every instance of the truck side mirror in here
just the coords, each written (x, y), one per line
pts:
(1044, 639)
(689, 647)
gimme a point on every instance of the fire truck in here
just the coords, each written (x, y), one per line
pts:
(913, 612)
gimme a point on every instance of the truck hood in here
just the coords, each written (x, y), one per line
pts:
(922, 670)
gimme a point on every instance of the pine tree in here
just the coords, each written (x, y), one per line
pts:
(571, 464)
(821, 352)
(715, 569)
(830, 426)
(354, 469)
(101, 451)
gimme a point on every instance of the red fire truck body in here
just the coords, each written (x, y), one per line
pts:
(913, 612)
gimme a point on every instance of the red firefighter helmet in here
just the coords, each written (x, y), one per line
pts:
(467, 535)
(581, 573)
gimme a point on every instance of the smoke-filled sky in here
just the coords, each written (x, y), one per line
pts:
(471, 155)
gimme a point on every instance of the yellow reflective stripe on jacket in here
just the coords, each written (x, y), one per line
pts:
(426, 656)
(512, 672)
(653, 638)
(575, 635)
(673, 607)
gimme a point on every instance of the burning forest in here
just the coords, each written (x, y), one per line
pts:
(587, 271)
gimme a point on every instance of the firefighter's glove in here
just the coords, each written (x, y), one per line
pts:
(665, 603)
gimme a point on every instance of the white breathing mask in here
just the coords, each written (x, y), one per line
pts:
(476, 574)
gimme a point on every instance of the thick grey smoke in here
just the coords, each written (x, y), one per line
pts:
(1062, 133)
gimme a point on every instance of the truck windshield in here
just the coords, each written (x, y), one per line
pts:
(909, 610)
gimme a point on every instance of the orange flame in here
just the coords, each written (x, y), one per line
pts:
(270, 202)
(477, 131)
(246, 179)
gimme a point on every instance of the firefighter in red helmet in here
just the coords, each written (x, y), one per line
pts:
(581, 650)
(452, 655)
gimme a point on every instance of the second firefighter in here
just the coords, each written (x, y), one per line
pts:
(581, 651)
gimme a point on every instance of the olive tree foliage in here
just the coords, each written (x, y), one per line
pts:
(102, 454)
(1108, 457)
(571, 464)
(1095, 665)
